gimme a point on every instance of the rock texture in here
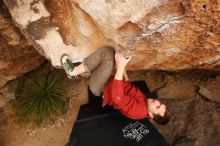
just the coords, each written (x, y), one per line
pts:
(210, 91)
(193, 123)
(159, 34)
(17, 56)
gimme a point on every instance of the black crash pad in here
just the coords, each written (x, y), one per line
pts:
(97, 126)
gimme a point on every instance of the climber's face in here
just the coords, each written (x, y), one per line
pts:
(155, 107)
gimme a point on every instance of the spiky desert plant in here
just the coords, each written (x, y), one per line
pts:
(41, 97)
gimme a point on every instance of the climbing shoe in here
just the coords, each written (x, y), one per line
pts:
(67, 65)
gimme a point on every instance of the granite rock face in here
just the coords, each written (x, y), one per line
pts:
(159, 34)
(17, 56)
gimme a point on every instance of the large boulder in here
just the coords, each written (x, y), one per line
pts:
(159, 34)
(17, 56)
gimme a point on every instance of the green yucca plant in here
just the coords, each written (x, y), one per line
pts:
(40, 98)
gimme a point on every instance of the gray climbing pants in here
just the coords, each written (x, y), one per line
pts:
(100, 64)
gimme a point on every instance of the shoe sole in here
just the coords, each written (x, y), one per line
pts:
(64, 57)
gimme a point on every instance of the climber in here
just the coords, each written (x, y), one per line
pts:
(116, 90)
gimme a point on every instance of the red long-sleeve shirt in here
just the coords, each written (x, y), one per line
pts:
(129, 100)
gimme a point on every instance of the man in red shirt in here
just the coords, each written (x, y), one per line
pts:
(116, 90)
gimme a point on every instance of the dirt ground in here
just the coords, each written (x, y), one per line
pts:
(182, 86)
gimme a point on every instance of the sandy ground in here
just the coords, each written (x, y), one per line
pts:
(176, 86)
(49, 135)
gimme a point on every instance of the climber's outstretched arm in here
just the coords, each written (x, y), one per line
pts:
(126, 78)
